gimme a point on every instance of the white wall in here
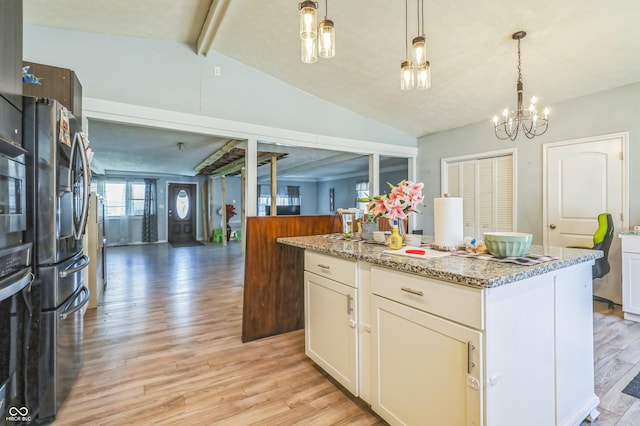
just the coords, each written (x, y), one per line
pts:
(612, 111)
(170, 76)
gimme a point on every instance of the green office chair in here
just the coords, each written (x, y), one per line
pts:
(602, 241)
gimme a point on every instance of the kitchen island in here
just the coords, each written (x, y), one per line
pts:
(453, 340)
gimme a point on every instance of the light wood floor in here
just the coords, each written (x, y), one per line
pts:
(164, 348)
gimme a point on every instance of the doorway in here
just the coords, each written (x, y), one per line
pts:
(181, 212)
(584, 178)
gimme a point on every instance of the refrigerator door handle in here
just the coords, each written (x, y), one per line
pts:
(79, 144)
(68, 310)
(72, 270)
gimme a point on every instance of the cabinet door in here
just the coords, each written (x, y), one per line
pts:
(426, 370)
(631, 283)
(11, 51)
(330, 328)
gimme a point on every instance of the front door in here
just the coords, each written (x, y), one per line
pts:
(585, 179)
(181, 218)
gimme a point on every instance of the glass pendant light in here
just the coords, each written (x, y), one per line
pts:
(419, 50)
(406, 75)
(308, 51)
(326, 36)
(406, 68)
(308, 20)
(423, 76)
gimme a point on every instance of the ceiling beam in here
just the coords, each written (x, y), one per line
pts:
(217, 155)
(318, 164)
(217, 9)
(236, 166)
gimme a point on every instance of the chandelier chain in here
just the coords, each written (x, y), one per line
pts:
(326, 9)
(519, 64)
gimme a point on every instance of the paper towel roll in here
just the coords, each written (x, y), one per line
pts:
(447, 221)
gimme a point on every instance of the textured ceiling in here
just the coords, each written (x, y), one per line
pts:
(573, 48)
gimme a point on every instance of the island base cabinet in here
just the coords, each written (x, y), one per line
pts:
(631, 277)
(426, 370)
(330, 328)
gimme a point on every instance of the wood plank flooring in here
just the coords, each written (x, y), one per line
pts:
(164, 348)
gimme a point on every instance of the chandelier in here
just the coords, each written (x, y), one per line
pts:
(415, 73)
(315, 39)
(531, 123)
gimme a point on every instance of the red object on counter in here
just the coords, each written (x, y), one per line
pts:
(415, 252)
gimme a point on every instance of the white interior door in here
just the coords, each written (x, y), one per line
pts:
(584, 179)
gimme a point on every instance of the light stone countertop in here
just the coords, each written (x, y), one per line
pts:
(461, 270)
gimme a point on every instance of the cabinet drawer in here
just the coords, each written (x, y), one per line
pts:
(334, 268)
(631, 243)
(455, 302)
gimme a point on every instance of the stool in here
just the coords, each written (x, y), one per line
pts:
(217, 235)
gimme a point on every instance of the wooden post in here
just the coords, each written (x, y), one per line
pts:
(203, 209)
(223, 181)
(210, 202)
(243, 210)
(274, 186)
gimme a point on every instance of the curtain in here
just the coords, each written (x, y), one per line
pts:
(150, 215)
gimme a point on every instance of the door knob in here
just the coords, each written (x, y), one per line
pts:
(552, 226)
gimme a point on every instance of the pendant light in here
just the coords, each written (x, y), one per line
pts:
(421, 66)
(326, 36)
(308, 31)
(308, 19)
(528, 120)
(406, 68)
(415, 73)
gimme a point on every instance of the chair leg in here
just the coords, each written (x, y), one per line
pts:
(602, 299)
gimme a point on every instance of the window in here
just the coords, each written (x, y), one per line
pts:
(362, 191)
(115, 193)
(137, 199)
(124, 197)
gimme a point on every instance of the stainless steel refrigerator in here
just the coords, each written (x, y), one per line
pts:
(57, 203)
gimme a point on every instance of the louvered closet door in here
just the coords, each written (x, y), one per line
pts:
(503, 194)
(486, 188)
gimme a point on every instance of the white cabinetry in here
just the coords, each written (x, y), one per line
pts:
(520, 353)
(631, 276)
(426, 369)
(331, 317)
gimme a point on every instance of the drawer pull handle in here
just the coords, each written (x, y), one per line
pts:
(321, 266)
(412, 291)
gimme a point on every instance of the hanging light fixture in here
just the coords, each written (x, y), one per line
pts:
(531, 123)
(327, 36)
(406, 68)
(308, 19)
(308, 31)
(315, 39)
(417, 72)
(421, 66)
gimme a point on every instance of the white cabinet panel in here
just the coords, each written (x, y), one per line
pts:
(422, 370)
(331, 328)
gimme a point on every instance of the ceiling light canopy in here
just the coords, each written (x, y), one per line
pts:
(528, 120)
(415, 73)
(315, 39)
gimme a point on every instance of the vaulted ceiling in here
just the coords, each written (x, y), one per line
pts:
(573, 48)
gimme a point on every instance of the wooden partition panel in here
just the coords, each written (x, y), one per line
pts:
(274, 273)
